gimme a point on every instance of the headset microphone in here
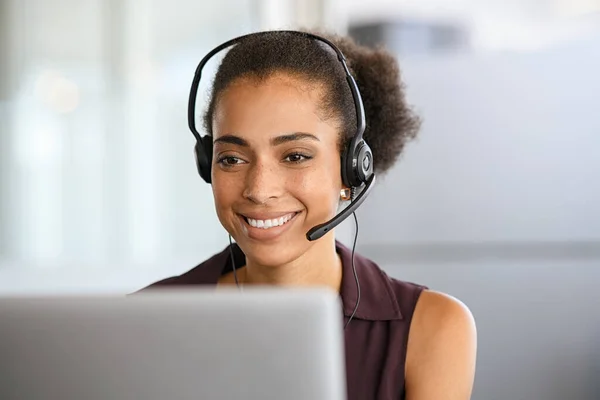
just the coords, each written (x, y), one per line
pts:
(320, 230)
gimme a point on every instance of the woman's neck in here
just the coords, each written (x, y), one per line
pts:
(320, 266)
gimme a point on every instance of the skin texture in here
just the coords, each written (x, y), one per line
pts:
(272, 176)
(262, 167)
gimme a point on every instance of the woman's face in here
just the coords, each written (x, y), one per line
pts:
(276, 168)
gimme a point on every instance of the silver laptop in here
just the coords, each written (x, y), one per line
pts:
(203, 344)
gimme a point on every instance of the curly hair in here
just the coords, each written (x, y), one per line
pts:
(391, 123)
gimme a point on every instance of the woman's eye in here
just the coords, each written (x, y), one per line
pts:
(229, 161)
(297, 158)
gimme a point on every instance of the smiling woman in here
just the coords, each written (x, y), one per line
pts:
(281, 119)
(270, 171)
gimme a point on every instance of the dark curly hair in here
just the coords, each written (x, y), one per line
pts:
(391, 123)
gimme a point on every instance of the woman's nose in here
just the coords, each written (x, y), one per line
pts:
(263, 183)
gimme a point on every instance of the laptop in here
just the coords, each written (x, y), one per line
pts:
(263, 343)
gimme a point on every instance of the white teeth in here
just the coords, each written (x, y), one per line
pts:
(269, 223)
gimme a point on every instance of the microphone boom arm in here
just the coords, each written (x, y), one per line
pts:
(321, 229)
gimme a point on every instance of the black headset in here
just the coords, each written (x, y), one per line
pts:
(357, 158)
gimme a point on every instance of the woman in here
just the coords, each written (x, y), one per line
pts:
(280, 116)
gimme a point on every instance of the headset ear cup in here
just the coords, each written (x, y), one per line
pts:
(345, 170)
(203, 152)
(349, 177)
(364, 164)
(357, 164)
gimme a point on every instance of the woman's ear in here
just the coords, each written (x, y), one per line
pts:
(345, 194)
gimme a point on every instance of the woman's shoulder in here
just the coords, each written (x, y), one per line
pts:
(434, 308)
(442, 317)
(442, 347)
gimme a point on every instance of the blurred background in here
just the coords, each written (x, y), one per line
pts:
(496, 203)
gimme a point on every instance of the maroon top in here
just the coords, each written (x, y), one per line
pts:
(375, 340)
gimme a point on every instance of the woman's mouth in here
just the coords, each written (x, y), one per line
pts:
(268, 223)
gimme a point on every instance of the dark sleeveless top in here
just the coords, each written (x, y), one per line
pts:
(376, 338)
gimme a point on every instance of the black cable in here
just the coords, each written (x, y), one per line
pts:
(233, 263)
(354, 271)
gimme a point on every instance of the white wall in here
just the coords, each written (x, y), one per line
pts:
(508, 151)
(493, 24)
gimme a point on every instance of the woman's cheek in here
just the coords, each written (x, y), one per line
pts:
(317, 192)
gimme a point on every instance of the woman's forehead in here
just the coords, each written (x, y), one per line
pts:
(276, 88)
(271, 107)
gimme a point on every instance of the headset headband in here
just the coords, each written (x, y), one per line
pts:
(360, 111)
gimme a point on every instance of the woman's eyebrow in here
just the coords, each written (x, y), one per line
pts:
(276, 141)
(232, 139)
(292, 137)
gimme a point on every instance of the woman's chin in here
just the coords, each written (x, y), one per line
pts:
(269, 255)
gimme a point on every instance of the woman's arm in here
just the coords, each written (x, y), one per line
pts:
(442, 348)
